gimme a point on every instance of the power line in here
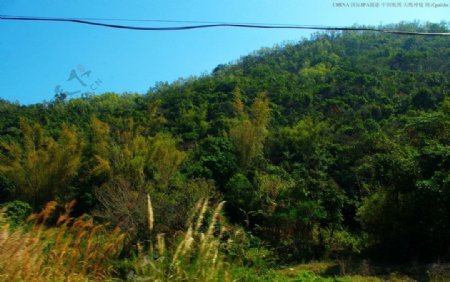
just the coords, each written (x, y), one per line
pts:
(155, 20)
(92, 21)
(168, 21)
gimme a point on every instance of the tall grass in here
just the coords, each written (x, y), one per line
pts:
(197, 255)
(75, 250)
(79, 250)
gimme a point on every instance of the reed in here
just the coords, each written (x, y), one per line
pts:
(75, 250)
(79, 250)
(196, 257)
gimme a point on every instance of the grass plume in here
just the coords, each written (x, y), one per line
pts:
(75, 250)
(197, 256)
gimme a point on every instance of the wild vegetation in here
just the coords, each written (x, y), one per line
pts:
(333, 151)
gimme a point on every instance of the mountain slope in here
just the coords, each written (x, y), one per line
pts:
(328, 147)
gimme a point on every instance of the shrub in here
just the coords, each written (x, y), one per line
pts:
(16, 212)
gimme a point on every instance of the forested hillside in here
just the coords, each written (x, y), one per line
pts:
(329, 148)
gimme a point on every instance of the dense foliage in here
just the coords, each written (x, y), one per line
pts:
(331, 147)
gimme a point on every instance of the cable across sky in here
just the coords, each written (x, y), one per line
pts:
(95, 22)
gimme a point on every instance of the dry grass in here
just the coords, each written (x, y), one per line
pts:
(76, 250)
(79, 250)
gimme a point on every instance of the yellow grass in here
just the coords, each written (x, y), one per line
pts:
(76, 250)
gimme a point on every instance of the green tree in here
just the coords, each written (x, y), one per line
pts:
(42, 168)
(247, 134)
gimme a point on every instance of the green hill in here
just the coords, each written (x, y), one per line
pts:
(337, 146)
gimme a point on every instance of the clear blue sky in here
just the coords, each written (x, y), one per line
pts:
(35, 57)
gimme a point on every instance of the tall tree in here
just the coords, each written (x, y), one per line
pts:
(249, 134)
(41, 167)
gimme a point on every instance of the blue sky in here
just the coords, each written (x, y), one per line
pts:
(36, 57)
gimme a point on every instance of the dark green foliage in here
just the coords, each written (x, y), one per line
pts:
(215, 158)
(16, 212)
(408, 209)
(240, 195)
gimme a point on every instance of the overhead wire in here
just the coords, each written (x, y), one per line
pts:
(204, 24)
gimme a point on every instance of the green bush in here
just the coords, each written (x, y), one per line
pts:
(16, 212)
